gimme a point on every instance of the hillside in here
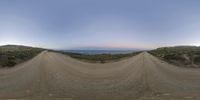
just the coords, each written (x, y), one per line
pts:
(10, 55)
(186, 56)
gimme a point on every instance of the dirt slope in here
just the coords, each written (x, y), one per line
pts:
(53, 76)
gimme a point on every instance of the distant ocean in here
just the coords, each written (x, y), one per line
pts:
(93, 52)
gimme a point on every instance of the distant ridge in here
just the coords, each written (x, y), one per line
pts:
(93, 52)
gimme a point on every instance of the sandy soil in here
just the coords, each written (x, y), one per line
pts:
(53, 76)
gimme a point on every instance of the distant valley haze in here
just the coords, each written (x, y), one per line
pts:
(100, 24)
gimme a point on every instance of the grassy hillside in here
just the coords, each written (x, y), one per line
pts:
(10, 55)
(185, 56)
(100, 58)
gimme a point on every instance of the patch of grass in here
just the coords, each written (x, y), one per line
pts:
(187, 56)
(10, 55)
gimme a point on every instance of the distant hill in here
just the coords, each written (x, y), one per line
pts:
(10, 55)
(185, 56)
(95, 52)
(99, 56)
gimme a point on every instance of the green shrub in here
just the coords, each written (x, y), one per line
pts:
(9, 63)
(197, 60)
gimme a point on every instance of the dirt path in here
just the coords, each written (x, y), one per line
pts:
(53, 76)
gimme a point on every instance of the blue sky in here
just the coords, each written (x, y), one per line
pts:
(100, 24)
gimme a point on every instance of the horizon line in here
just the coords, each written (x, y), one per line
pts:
(96, 48)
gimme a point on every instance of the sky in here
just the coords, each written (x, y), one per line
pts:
(100, 24)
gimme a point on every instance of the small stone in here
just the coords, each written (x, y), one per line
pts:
(188, 97)
(50, 95)
(166, 94)
(28, 91)
(157, 95)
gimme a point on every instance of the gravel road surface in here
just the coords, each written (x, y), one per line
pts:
(53, 76)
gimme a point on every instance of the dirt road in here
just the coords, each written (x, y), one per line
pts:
(53, 76)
